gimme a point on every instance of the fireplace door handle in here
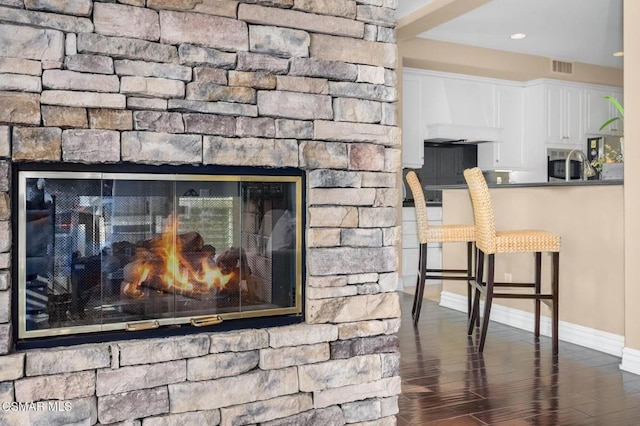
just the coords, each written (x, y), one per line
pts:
(206, 320)
(139, 326)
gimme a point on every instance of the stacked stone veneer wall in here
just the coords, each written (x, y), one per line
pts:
(298, 83)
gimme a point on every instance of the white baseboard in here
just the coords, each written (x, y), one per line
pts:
(630, 360)
(602, 341)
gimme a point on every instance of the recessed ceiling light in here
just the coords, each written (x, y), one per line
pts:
(618, 54)
(517, 36)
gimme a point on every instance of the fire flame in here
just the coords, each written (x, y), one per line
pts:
(175, 273)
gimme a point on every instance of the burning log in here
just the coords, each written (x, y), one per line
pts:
(189, 242)
(193, 275)
(184, 265)
(228, 261)
(234, 261)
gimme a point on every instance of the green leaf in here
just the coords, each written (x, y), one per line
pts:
(615, 103)
(609, 121)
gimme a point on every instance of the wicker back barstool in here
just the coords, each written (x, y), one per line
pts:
(438, 234)
(489, 242)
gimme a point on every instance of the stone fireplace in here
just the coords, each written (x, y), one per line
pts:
(133, 132)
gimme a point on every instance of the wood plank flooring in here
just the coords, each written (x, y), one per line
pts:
(515, 382)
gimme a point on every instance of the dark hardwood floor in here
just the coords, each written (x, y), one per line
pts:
(515, 382)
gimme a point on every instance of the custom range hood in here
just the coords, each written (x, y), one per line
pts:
(462, 134)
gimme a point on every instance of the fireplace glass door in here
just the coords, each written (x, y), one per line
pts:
(112, 251)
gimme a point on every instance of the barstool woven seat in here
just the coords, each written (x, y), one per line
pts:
(526, 241)
(438, 234)
(449, 233)
(489, 243)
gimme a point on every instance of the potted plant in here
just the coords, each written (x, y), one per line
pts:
(620, 109)
(610, 163)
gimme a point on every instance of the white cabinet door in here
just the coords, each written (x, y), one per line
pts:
(554, 133)
(573, 115)
(411, 246)
(599, 110)
(507, 153)
(534, 146)
(564, 112)
(510, 118)
(412, 121)
(434, 251)
(618, 127)
(617, 93)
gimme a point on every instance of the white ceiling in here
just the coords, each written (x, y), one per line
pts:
(588, 31)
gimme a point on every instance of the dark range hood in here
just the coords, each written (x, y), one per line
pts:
(461, 134)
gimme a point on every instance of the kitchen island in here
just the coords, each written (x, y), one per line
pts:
(589, 218)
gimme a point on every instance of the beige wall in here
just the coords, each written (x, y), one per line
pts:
(590, 222)
(464, 59)
(632, 171)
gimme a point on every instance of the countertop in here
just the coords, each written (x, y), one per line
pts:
(559, 184)
(534, 184)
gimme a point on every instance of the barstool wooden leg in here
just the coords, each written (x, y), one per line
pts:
(474, 319)
(538, 287)
(555, 288)
(415, 296)
(491, 260)
(420, 289)
(474, 312)
(469, 276)
(479, 273)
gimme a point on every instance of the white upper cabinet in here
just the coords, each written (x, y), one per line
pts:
(509, 101)
(571, 112)
(535, 133)
(599, 110)
(564, 115)
(412, 124)
(561, 114)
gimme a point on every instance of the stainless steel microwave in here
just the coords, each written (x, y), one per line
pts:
(556, 170)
